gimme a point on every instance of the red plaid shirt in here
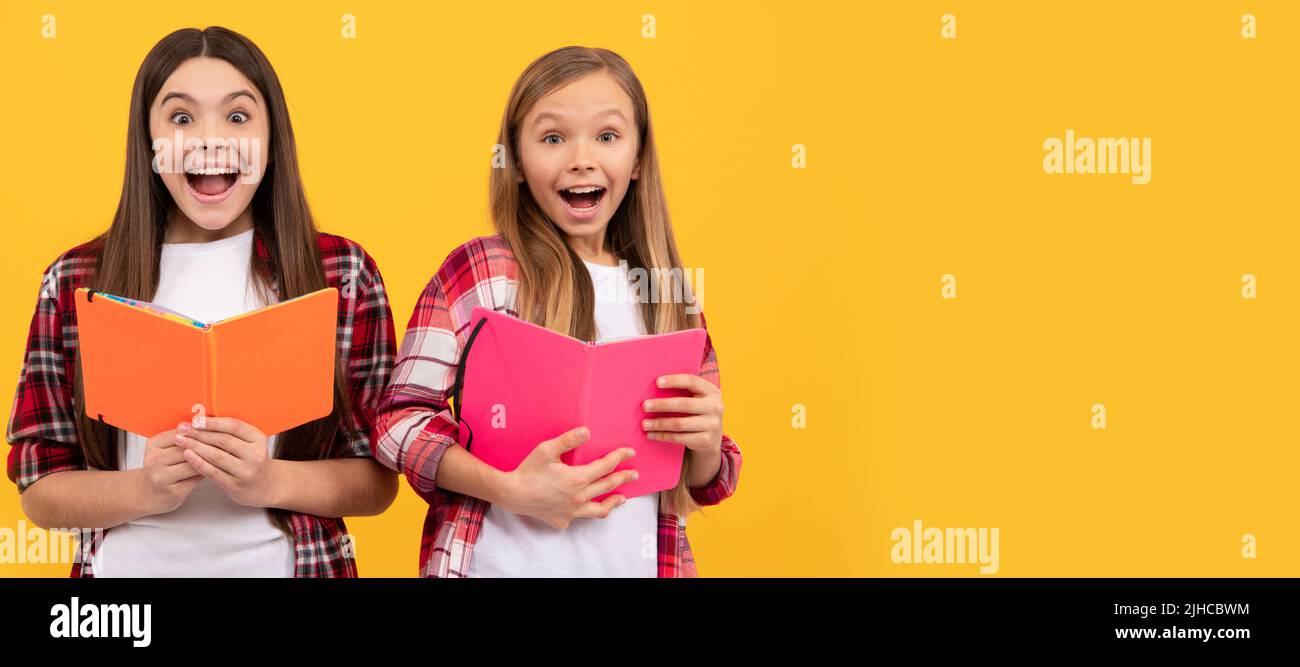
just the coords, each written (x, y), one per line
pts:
(41, 427)
(415, 427)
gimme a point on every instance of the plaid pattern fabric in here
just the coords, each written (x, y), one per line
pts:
(41, 428)
(415, 425)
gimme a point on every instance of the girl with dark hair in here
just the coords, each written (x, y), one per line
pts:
(222, 230)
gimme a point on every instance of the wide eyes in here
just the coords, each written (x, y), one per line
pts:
(603, 137)
(184, 118)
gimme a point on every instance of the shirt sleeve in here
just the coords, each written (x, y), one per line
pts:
(370, 360)
(415, 426)
(724, 483)
(42, 432)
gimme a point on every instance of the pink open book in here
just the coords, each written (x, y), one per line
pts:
(520, 384)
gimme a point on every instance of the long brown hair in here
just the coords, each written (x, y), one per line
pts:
(555, 289)
(128, 253)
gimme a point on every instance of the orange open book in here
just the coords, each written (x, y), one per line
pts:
(146, 368)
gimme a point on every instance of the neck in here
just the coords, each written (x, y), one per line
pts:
(181, 229)
(592, 248)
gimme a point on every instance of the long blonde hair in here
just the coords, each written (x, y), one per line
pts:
(555, 289)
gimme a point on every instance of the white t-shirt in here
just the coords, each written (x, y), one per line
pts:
(623, 544)
(209, 535)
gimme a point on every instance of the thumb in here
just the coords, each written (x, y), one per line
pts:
(566, 441)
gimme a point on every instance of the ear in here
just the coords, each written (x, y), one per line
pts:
(519, 170)
(636, 171)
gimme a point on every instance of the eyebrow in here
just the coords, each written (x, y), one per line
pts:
(550, 115)
(188, 98)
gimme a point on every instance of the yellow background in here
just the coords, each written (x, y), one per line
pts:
(924, 157)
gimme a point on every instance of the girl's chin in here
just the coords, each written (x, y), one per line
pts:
(211, 218)
(214, 225)
(581, 228)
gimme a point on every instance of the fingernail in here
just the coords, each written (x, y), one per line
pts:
(662, 381)
(583, 433)
(635, 475)
(646, 405)
(646, 424)
(183, 428)
(178, 439)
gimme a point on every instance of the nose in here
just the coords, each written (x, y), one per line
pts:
(207, 131)
(208, 139)
(581, 161)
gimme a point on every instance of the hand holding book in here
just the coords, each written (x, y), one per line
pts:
(546, 488)
(702, 429)
(233, 454)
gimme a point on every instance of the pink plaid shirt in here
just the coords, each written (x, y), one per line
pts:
(414, 425)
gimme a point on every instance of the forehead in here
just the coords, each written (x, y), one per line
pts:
(207, 80)
(584, 97)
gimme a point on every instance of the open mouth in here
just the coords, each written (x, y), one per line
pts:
(582, 198)
(211, 185)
